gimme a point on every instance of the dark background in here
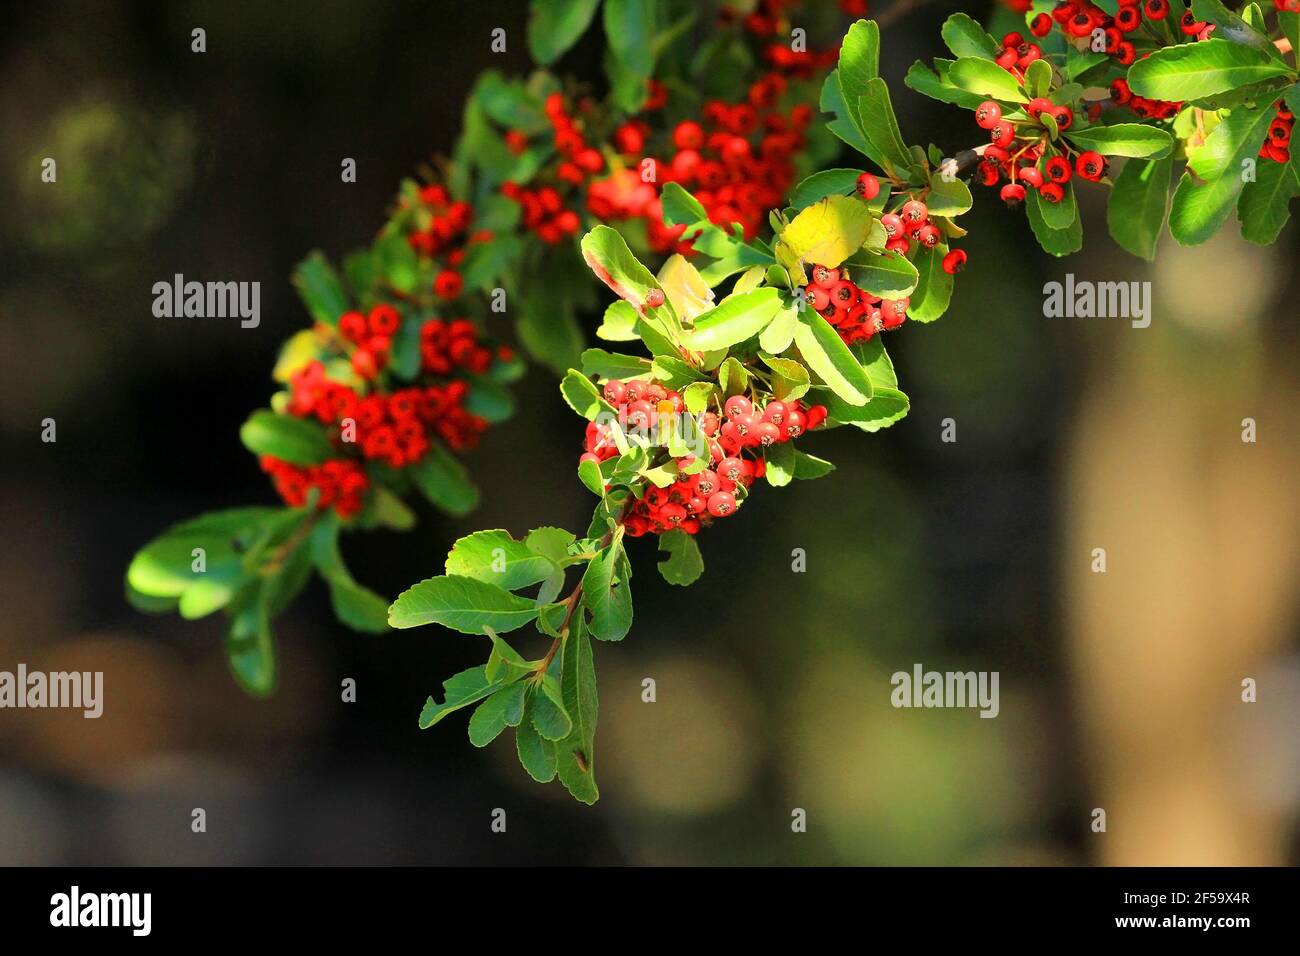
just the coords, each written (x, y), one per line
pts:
(1118, 691)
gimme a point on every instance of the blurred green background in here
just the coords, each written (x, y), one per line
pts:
(1119, 691)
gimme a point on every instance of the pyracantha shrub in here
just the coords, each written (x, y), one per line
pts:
(396, 378)
(750, 347)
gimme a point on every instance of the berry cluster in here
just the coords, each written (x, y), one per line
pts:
(342, 484)
(736, 442)
(392, 429)
(442, 233)
(448, 346)
(373, 337)
(1020, 152)
(581, 160)
(543, 212)
(769, 19)
(1277, 146)
(856, 314)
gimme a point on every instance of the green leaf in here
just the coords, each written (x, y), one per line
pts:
(844, 125)
(320, 289)
(859, 64)
(1061, 215)
(1264, 205)
(827, 232)
(887, 406)
(1124, 139)
(575, 755)
(778, 335)
(1190, 71)
(789, 379)
(808, 467)
(459, 691)
(880, 127)
(629, 32)
(949, 197)
(548, 327)
(590, 475)
(497, 558)
(1038, 78)
(443, 480)
(828, 182)
(872, 356)
(603, 364)
(1138, 203)
(934, 83)
(581, 394)
(1199, 209)
(250, 648)
(684, 565)
(555, 25)
(550, 719)
(675, 373)
(462, 604)
(977, 75)
(619, 324)
(608, 595)
(887, 275)
(504, 708)
(964, 37)
(933, 286)
(536, 753)
(295, 440)
(779, 460)
(166, 566)
(734, 320)
(608, 256)
(826, 354)
(356, 606)
(1058, 242)
(680, 208)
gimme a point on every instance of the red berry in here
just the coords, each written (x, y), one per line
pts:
(893, 225)
(1002, 134)
(1090, 165)
(1058, 169)
(775, 412)
(1041, 25)
(654, 298)
(1052, 192)
(954, 261)
(448, 284)
(738, 405)
(867, 186)
(987, 114)
(615, 392)
(721, 504)
(825, 277)
(1013, 194)
(1030, 176)
(914, 212)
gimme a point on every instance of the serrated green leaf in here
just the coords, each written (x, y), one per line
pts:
(1190, 71)
(1124, 139)
(460, 690)
(607, 595)
(734, 320)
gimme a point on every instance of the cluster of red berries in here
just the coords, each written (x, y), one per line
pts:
(696, 500)
(448, 346)
(543, 212)
(1025, 163)
(1277, 146)
(1122, 95)
(445, 237)
(1287, 6)
(769, 19)
(373, 337)
(342, 484)
(581, 160)
(392, 428)
(856, 314)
